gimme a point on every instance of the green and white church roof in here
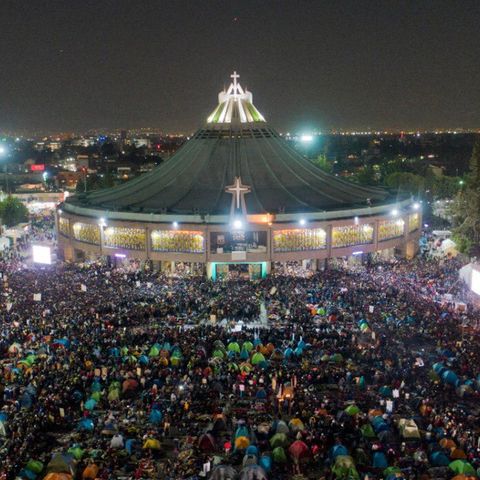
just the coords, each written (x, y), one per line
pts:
(235, 105)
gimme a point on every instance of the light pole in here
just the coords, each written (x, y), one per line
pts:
(3, 153)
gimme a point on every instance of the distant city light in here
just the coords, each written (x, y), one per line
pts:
(306, 138)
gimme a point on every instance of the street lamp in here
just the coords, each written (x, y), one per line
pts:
(3, 153)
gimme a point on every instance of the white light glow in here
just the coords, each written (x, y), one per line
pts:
(394, 212)
(175, 224)
(475, 282)
(41, 254)
(303, 222)
(102, 222)
(416, 206)
(237, 224)
(306, 138)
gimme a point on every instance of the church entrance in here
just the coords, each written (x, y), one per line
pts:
(238, 271)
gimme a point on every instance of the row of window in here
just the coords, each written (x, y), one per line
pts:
(292, 240)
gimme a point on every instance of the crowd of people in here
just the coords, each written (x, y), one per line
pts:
(357, 373)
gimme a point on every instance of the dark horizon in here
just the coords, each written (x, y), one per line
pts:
(77, 66)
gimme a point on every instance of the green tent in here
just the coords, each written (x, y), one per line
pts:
(278, 455)
(352, 410)
(337, 358)
(461, 467)
(344, 468)
(234, 347)
(96, 396)
(248, 346)
(367, 431)
(154, 352)
(218, 354)
(34, 466)
(257, 358)
(113, 395)
(76, 452)
(391, 471)
(278, 440)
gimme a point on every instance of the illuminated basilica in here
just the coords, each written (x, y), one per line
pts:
(236, 194)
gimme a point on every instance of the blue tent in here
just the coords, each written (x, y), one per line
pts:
(143, 360)
(129, 444)
(337, 450)
(26, 400)
(155, 417)
(450, 377)
(90, 404)
(85, 425)
(252, 450)
(379, 460)
(439, 459)
(266, 463)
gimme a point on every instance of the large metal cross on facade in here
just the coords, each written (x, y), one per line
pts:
(238, 190)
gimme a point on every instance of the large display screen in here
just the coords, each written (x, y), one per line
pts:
(475, 281)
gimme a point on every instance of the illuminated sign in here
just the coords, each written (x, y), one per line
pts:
(39, 167)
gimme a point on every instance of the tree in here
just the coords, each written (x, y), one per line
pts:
(322, 162)
(13, 211)
(406, 181)
(466, 208)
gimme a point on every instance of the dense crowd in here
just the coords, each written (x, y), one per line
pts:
(111, 374)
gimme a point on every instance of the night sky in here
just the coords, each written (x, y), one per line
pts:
(79, 64)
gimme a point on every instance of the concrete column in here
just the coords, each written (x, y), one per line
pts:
(210, 272)
(329, 240)
(268, 267)
(148, 242)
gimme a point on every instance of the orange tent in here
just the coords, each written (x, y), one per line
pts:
(447, 443)
(457, 454)
(90, 472)
(58, 476)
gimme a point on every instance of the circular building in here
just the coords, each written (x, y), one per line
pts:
(236, 194)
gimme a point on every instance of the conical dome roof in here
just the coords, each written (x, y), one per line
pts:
(236, 155)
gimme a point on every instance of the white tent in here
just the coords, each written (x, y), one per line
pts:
(4, 243)
(449, 247)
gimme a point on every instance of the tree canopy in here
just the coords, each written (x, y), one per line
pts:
(13, 211)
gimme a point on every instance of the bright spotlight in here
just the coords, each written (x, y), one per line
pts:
(2, 149)
(356, 220)
(175, 224)
(102, 222)
(41, 254)
(306, 138)
(416, 206)
(303, 222)
(237, 224)
(394, 212)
